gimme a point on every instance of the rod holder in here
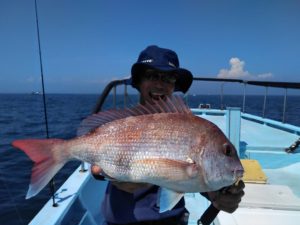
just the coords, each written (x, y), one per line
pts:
(233, 126)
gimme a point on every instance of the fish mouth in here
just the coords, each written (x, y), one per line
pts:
(238, 174)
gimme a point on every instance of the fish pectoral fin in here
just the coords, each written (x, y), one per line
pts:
(167, 199)
(192, 170)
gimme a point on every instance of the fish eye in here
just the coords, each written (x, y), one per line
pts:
(227, 149)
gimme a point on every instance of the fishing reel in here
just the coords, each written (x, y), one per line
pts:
(293, 147)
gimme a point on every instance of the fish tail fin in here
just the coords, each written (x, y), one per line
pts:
(49, 157)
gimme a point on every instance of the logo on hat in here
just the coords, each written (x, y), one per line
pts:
(147, 61)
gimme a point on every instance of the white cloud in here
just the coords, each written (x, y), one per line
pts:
(237, 71)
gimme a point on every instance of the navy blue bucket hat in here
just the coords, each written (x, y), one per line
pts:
(161, 59)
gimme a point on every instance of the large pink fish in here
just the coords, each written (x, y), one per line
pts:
(162, 144)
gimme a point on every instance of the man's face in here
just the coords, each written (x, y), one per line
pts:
(155, 85)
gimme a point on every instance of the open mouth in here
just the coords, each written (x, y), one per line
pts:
(157, 96)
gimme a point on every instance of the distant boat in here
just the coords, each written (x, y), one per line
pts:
(36, 93)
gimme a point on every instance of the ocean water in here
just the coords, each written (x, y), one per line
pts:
(22, 116)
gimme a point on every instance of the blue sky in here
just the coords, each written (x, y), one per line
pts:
(86, 43)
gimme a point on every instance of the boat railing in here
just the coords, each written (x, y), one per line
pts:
(267, 84)
(112, 86)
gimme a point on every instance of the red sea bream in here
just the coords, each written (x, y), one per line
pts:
(163, 144)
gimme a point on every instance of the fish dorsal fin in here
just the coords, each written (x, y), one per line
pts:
(172, 104)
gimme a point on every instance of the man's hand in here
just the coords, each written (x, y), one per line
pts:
(96, 170)
(228, 199)
(124, 186)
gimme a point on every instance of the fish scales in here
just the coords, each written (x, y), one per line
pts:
(138, 138)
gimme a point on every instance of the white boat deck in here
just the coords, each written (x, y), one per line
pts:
(264, 204)
(257, 216)
(277, 197)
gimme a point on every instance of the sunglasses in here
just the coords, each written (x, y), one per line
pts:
(152, 75)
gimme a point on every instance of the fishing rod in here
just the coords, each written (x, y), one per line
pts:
(52, 184)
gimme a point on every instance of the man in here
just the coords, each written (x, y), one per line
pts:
(157, 74)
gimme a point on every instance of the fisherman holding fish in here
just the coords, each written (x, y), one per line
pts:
(156, 75)
(152, 153)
